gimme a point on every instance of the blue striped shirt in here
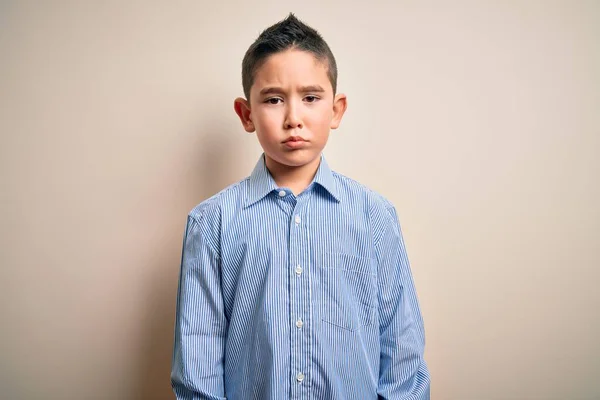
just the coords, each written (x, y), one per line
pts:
(297, 297)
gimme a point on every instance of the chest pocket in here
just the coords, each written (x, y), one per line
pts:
(349, 291)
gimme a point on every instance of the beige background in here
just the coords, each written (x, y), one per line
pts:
(479, 120)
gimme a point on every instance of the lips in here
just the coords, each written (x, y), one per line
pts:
(295, 142)
(294, 139)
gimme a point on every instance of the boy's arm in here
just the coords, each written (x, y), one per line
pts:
(200, 323)
(403, 374)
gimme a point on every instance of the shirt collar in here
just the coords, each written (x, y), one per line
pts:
(261, 183)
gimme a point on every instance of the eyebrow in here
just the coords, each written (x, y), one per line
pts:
(301, 89)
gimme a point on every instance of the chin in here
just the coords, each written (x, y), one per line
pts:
(295, 158)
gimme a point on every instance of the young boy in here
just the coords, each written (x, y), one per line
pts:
(295, 282)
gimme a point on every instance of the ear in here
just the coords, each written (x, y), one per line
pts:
(339, 108)
(242, 109)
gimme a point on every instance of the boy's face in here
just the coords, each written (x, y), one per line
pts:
(292, 109)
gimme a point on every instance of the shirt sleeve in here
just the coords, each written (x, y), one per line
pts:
(200, 323)
(403, 374)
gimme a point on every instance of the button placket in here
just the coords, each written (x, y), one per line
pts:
(299, 297)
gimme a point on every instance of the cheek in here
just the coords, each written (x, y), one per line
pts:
(321, 117)
(266, 119)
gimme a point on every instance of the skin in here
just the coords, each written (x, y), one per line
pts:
(291, 97)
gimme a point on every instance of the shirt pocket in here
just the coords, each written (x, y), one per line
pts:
(349, 291)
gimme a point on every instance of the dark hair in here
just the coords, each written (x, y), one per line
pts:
(291, 33)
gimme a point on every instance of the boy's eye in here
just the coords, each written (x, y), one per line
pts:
(311, 99)
(273, 100)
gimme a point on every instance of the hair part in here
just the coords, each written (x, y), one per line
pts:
(291, 33)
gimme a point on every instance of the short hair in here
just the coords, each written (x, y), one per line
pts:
(290, 33)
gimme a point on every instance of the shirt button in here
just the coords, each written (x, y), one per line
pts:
(299, 323)
(298, 219)
(282, 193)
(298, 270)
(300, 377)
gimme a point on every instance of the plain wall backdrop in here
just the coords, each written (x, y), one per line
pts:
(479, 120)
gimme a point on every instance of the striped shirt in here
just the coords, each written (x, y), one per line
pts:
(297, 297)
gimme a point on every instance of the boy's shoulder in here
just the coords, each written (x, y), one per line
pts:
(213, 204)
(351, 190)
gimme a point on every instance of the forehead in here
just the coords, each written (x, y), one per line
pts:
(291, 68)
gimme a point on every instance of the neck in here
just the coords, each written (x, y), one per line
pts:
(295, 178)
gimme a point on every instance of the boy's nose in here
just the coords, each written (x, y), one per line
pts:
(292, 119)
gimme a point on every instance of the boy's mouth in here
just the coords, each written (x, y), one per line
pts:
(295, 142)
(294, 139)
